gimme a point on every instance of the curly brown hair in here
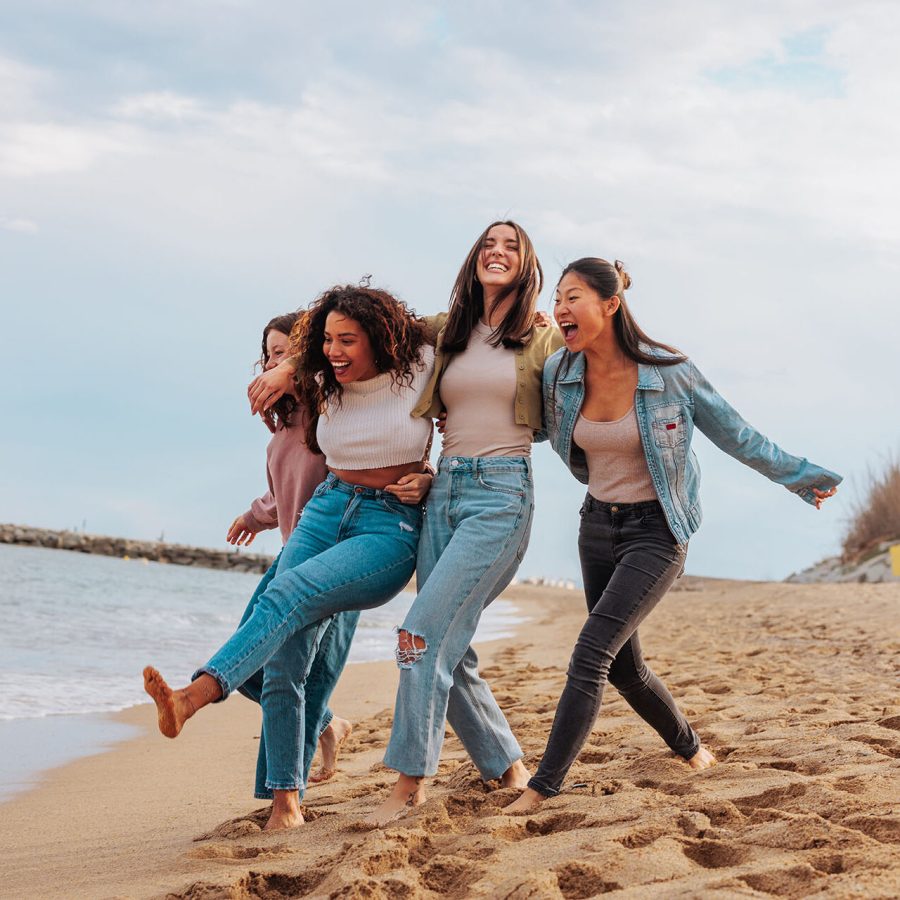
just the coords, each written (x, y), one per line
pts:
(395, 332)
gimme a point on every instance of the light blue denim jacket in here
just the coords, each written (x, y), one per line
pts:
(669, 402)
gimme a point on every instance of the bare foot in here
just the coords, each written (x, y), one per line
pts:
(330, 741)
(516, 776)
(530, 801)
(702, 759)
(285, 812)
(173, 708)
(408, 793)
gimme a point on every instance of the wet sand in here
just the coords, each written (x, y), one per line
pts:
(793, 686)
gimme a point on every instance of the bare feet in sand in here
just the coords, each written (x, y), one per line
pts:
(408, 793)
(173, 708)
(330, 741)
(702, 759)
(285, 812)
(516, 776)
(528, 802)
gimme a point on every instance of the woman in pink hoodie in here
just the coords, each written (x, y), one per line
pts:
(293, 472)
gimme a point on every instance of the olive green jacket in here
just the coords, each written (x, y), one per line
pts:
(545, 341)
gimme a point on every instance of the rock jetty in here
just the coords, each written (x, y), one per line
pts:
(155, 551)
(874, 567)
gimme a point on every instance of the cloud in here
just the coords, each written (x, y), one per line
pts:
(22, 226)
(203, 173)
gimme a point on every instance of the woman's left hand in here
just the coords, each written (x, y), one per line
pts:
(411, 489)
(822, 496)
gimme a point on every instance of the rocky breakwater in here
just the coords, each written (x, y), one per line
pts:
(124, 548)
(874, 566)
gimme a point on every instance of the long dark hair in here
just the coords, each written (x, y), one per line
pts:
(467, 297)
(395, 333)
(611, 280)
(286, 405)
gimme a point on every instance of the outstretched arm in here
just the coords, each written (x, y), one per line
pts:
(730, 432)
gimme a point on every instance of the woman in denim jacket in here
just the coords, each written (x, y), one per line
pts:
(620, 409)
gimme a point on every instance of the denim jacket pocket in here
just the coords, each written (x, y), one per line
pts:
(669, 429)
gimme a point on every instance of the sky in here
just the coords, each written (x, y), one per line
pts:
(172, 175)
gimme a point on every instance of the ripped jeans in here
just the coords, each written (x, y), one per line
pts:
(354, 548)
(476, 530)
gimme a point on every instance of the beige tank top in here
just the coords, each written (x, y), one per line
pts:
(617, 466)
(478, 389)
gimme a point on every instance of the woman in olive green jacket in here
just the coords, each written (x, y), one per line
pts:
(490, 354)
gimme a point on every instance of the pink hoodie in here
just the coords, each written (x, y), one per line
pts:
(293, 472)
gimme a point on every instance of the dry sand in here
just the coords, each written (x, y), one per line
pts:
(793, 686)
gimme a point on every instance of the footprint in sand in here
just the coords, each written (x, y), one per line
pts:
(796, 881)
(237, 853)
(715, 854)
(581, 879)
(773, 798)
(885, 829)
(556, 823)
(886, 747)
(274, 884)
(253, 823)
(450, 876)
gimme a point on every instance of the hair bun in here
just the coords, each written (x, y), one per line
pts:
(624, 277)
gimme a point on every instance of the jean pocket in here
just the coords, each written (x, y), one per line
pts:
(322, 488)
(409, 514)
(512, 483)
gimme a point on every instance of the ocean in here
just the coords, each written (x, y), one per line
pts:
(78, 629)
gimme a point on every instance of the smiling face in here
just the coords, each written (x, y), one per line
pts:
(499, 262)
(348, 348)
(277, 348)
(581, 313)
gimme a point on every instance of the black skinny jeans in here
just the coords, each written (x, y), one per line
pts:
(629, 559)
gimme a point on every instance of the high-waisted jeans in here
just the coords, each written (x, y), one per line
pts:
(477, 523)
(629, 559)
(332, 648)
(354, 548)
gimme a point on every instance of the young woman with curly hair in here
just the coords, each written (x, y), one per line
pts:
(621, 410)
(363, 362)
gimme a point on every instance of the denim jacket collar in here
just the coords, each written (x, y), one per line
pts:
(649, 377)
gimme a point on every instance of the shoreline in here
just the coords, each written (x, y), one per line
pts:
(55, 739)
(792, 685)
(366, 689)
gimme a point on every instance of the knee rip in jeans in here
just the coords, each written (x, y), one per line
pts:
(410, 648)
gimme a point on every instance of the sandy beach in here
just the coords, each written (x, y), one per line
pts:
(793, 686)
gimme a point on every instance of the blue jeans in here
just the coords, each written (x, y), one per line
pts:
(335, 637)
(476, 532)
(354, 548)
(629, 559)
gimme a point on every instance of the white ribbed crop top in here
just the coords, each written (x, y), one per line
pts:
(371, 427)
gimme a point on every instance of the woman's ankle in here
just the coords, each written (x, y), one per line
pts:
(285, 811)
(202, 691)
